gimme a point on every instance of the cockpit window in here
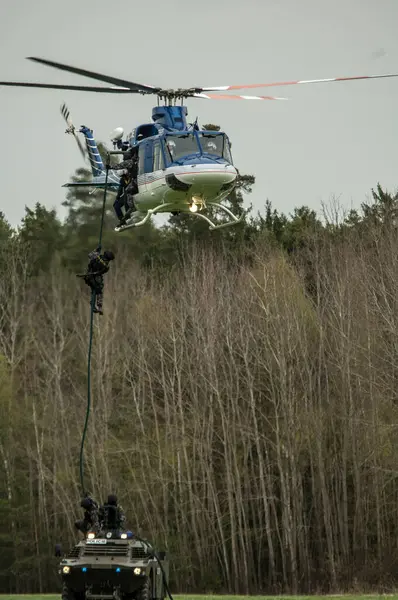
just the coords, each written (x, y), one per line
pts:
(227, 151)
(181, 145)
(212, 144)
(216, 144)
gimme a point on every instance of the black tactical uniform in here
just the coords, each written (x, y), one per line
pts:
(121, 198)
(111, 516)
(131, 166)
(94, 276)
(90, 520)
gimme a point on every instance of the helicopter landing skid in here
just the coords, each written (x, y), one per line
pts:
(212, 226)
(152, 211)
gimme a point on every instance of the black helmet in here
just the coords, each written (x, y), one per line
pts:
(112, 499)
(108, 255)
(86, 503)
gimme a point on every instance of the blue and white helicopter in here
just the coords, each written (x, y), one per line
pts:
(177, 172)
(181, 168)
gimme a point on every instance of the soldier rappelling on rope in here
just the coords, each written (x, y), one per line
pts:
(94, 276)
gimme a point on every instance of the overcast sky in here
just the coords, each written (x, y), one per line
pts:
(332, 139)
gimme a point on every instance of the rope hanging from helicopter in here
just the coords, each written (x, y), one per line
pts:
(90, 345)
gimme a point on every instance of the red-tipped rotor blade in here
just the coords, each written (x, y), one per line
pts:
(224, 88)
(235, 97)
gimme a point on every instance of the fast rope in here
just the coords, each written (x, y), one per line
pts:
(90, 344)
(154, 554)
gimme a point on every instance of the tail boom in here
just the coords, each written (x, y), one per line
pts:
(97, 166)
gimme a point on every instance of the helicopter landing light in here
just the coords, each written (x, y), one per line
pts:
(197, 203)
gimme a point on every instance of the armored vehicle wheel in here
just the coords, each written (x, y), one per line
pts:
(145, 591)
(68, 594)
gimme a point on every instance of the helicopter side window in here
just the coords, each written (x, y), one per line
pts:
(227, 151)
(141, 160)
(168, 147)
(157, 157)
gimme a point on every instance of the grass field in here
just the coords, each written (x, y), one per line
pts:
(210, 597)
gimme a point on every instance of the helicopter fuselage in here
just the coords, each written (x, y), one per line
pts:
(178, 171)
(181, 187)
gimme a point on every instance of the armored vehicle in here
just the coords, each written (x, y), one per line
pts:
(114, 565)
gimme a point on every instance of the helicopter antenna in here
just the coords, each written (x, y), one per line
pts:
(194, 125)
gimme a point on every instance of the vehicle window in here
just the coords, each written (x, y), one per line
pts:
(156, 151)
(227, 151)
(157, 157)
(212, 144)
(182, 145)
(141, 160)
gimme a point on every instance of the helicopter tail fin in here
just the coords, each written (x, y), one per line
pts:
(97, 166)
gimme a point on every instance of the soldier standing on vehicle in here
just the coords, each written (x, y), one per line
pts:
(90, 520)
(111, 516)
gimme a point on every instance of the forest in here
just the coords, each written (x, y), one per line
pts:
(244, 394)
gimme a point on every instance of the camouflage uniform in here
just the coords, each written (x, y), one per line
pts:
(94, 276)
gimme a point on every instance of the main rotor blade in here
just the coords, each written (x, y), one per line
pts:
(224, 88)
(80, 88)
(113, 80)
(235, 97)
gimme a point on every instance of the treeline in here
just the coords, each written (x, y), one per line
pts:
(244, 389)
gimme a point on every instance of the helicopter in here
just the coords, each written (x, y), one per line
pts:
(164, 187)
(181, 168)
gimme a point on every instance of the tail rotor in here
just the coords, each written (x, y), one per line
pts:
(71, 129)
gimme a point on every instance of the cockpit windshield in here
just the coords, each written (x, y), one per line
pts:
(181, 145)
(217, 144)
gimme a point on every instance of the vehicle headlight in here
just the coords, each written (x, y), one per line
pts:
(91, 535)
(123, 536)
(66, 570)
(137, 571)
